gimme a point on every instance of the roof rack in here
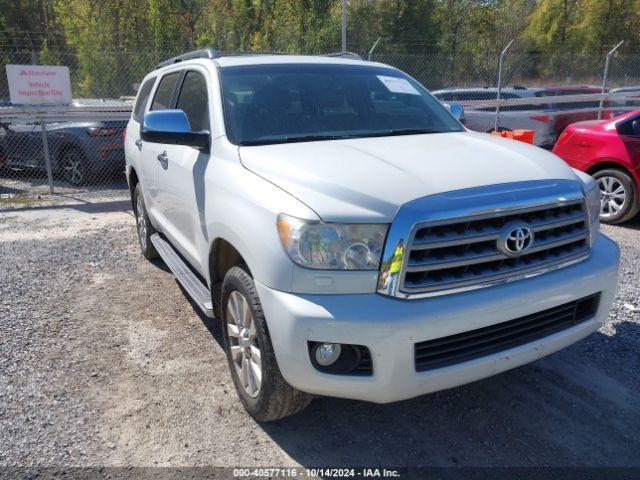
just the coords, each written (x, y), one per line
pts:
(344, 54)
(210, 53)
(204, 53)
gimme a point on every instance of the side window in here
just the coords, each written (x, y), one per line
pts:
(143, 97)
(193, 100)
(164, 92)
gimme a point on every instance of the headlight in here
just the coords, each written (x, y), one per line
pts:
(592, 195)
(332, 246)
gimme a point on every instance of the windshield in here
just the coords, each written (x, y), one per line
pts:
(266, 104)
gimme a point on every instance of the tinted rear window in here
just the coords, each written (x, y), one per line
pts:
(164, 93)
(143, 97)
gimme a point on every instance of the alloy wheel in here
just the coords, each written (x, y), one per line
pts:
(243, 343)
(613, 196)
(73, 168)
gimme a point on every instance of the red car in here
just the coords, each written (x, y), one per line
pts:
(610, 151)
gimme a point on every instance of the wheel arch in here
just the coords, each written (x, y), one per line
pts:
(609, 163)
(223, 256)
(132, 181)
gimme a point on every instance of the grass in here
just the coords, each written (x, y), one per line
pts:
(15, 200)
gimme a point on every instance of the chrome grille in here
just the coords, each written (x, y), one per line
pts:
(456, 253)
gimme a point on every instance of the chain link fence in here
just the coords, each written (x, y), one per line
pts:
(80, 148)
(74, 149)
(62, 149)
(449, 70)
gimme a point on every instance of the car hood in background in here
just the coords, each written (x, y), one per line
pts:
(368, 179)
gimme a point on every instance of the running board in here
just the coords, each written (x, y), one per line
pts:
(197, 290)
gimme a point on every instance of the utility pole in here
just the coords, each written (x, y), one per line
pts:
(499, 95)
(373, 48)
(605, 75)
(344, 26)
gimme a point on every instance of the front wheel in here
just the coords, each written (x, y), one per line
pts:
(252, 361)
(619, 196)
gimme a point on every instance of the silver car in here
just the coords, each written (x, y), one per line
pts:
(538, 118)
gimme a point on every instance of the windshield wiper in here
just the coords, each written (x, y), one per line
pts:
(315, 138)
(403, 131)
(304, 138)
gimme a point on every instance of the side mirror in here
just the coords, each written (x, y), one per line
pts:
(172, 127)
(635, 126)
(456, 110)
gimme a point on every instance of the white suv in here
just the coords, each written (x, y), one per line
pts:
(352, 237)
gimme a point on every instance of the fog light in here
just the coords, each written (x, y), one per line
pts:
(327, 353)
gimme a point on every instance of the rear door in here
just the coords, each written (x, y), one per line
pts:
(181, 177)
(133, 146)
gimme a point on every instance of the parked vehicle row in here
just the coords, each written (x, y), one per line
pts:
(352, 237)
(90, 150)
(81, 152)
(548, 121)
(527, 117)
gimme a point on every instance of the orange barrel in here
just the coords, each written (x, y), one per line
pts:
(525, 136)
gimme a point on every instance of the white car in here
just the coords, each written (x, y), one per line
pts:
(353, 238)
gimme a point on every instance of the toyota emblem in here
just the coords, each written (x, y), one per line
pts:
(515, 239)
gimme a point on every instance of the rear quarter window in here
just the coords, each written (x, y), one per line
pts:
(143, 98)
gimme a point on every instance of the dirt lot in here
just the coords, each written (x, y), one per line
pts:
(104, 361)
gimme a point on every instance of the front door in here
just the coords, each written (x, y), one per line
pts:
(152, 154)
(181, 174)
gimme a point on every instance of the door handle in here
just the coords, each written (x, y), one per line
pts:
(139, 144)
(164, 160)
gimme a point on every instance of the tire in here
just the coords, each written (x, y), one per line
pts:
(143, 225)
(73, 167)
(619, 196)
(270, 398)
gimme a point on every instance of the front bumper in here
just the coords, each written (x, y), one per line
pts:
(390, 328)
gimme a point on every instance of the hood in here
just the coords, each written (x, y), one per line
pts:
(368, 179)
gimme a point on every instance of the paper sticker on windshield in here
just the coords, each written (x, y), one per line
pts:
(398, 85)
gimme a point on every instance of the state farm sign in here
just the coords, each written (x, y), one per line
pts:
(38, 85)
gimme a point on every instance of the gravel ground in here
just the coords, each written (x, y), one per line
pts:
(28, 188)
(105, 362)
